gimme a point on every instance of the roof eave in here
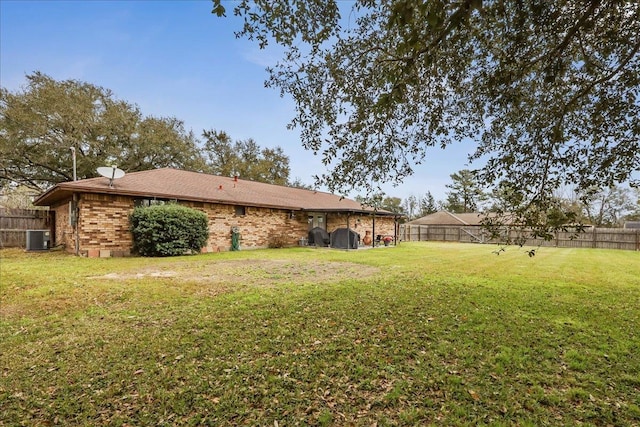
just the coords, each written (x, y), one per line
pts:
(351, 210)
(65, 190)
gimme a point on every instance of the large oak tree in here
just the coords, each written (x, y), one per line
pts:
(42, 122)
(548, 90)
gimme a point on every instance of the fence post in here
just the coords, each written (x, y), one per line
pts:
(593, 244)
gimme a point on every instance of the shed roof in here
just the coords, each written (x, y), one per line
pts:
(168, 183)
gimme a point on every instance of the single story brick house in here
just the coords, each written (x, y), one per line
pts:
(90, 217)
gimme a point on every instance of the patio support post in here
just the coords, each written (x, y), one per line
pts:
(373, 232)
(395, 229)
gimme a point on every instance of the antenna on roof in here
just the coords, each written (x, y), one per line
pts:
(111, 173)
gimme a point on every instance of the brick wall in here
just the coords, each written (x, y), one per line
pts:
(104, 225)
(64, 232)
(256, 227)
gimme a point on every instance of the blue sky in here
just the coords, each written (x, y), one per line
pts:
(174, 58)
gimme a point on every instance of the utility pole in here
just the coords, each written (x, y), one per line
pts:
(73, 155)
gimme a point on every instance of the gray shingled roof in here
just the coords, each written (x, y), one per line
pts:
(177, 184)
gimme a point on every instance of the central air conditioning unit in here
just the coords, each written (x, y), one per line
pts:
(38, 240)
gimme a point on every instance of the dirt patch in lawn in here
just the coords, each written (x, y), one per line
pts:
(254, 272)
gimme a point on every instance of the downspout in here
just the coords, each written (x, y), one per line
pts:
(76, 213)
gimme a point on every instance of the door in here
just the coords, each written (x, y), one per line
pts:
(317, 220)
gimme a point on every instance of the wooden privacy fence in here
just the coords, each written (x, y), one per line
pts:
(602, 238)
(14, 224)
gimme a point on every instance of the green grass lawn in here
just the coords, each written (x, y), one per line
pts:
(443, 334)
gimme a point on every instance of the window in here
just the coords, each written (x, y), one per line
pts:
(150, 202)
(241, 210)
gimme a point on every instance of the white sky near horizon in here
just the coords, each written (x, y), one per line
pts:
(174, 58)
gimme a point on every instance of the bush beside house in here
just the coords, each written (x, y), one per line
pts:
(168, 230)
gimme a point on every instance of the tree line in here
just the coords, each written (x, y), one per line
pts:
(42, 122)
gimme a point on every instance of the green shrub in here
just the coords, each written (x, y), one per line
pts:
(168, 230)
